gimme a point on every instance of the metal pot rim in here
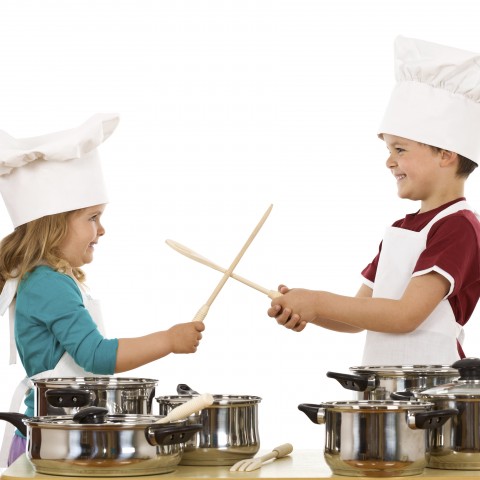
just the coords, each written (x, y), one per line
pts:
(402, 370)
(218, 399)
(97, 382)
(376, 405)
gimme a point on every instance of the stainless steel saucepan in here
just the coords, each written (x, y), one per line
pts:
(67, 395)
(230, 427)
(376, 438)
(378, 382)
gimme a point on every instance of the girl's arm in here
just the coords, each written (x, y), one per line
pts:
(363, 312)
(138, 351)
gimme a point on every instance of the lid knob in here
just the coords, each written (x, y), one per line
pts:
(468, 368)
(91, 415)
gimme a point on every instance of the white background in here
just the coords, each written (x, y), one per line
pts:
(226, 107)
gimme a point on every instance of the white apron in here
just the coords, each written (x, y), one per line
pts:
(434, 342)
(66, 366)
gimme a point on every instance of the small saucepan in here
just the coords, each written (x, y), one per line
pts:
(67, 395)
(377, 382)
(376, 438)
(230, 427)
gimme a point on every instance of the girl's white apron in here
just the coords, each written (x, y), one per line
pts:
(434, 342)
(66, 366)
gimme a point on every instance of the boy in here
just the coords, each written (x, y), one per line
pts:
(425, 282)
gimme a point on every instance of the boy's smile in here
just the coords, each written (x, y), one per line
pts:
(415, 166)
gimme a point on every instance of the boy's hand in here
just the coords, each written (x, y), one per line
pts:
(284, 315)
(185, 337)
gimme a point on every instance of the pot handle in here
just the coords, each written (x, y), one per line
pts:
(16, 420)
(405, 395)
(184, 389)
(432, 419)
(68, 397)
(312, 411)
(162, 434)
(357, 383)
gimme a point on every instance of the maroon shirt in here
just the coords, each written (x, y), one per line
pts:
(453, 245)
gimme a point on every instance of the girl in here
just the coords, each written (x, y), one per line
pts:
(57, 324)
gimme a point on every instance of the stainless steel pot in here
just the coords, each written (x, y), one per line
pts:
(230, 427)
(94, 443)
(65, 396)
(456, 445)
(379, 382)
(372, 438)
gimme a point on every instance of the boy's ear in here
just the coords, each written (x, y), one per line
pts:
(448, 158)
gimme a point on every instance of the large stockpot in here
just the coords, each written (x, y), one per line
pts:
(95, 443)
(379, 382)
(65, 396)
(376, 438)
(456, 445)
(230, 427)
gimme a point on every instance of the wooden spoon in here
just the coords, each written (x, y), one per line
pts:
(202, 313)
(188, 252)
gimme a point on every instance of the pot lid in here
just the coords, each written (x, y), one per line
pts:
(377, 405)
(466, 386)
(110, 421)
(402, 370)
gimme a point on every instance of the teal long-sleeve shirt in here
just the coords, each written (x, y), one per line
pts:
(51, 319)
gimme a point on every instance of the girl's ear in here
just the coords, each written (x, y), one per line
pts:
(448, 158)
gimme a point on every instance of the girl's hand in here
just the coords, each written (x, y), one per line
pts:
(185, 337)
(284, 315)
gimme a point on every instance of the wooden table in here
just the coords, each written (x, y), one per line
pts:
(301, 464)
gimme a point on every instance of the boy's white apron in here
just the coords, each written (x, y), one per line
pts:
(434, 342)
(66, 366)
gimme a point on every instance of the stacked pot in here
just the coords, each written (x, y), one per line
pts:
(406, 418)
(100, 426)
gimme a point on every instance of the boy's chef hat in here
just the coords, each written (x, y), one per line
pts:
(54, 173)
(437, 97)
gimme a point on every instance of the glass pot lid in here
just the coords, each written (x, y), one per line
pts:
(466, 386)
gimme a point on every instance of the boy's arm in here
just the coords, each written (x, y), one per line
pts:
(296, 324)
(363, 312)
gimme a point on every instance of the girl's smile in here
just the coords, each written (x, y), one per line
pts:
(84, 230)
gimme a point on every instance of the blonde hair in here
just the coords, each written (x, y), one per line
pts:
(36, 243)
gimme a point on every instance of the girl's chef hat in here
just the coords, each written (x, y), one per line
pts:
(437, 97)
(54, 173)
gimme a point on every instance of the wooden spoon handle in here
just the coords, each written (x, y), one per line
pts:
(240, 254)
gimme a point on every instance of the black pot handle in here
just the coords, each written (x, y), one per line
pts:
(184, 389)
(434, 418)
(357, 383)
(16, 419)
(68, 397)
(405, 395)
(91, 415)
(310, 410)
(165, 434)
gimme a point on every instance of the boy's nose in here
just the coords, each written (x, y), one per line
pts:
(390, 163)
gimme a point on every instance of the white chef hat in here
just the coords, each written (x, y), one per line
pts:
(54, 173)
(436, 100)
